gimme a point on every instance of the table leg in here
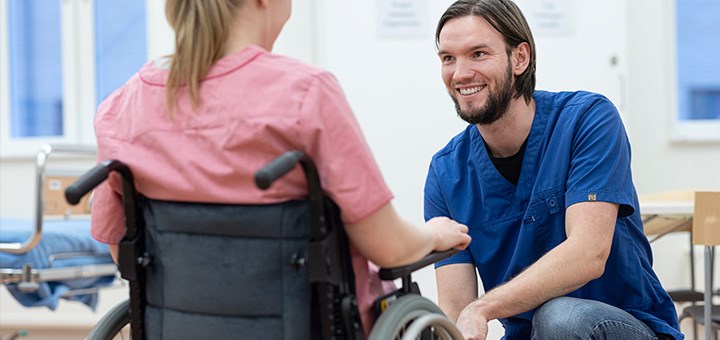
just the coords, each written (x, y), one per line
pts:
(708, 292)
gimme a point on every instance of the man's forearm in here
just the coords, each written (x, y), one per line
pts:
(558, 273)
(457, 287)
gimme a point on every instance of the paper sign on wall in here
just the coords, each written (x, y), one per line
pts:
(401, 18)
(551, 17)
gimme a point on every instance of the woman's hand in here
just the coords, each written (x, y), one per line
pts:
(448, 233)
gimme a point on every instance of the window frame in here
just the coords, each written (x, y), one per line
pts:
(78, 81)
(78, 65)
(686, 130)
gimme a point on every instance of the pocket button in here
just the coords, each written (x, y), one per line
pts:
(552, 205)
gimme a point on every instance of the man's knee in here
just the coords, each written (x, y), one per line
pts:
(573, 318)
(563, 318)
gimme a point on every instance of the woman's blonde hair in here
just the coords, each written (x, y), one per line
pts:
(201, 30)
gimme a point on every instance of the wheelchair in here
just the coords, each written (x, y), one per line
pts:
(276, 271)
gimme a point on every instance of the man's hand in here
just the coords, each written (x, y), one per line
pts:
(472, 323)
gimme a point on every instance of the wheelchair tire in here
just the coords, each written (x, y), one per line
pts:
(112, 324)
(397, 320)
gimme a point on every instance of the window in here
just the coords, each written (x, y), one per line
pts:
(58, 61)
(35, 60)
(120, 28)
(698, 70)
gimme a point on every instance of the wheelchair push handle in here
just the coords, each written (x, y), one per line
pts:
(93, 177)
(86, 183)
(277, 168)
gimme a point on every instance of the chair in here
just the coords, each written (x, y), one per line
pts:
(692, 296)
(669, 212)
(697, 314)
(696, 310)
(200, 270)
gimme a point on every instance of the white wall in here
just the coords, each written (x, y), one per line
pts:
(658, 164)
(16, 188)
(394, 88)
(569, 57)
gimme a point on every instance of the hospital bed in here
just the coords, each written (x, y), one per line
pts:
(52, 256)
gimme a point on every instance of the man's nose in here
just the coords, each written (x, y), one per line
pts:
(463, 71)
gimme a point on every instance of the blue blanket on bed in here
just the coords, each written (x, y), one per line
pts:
(58, 237)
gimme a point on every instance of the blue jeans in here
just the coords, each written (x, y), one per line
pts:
(573, 318)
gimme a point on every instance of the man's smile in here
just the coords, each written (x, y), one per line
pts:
(470, 90)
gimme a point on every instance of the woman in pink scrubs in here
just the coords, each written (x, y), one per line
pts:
(197, 125)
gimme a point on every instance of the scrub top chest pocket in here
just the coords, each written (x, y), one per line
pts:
(545, 216)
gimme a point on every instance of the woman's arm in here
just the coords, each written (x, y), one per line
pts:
(388, 240)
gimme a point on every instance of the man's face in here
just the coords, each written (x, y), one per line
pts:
(476, 69)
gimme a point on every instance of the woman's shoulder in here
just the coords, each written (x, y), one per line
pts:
(294, 68)
(281, 73)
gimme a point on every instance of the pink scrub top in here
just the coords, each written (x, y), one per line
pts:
(255, 106)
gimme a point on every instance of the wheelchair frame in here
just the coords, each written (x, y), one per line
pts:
(328, 260)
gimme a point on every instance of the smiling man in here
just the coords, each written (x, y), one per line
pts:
(543, 182)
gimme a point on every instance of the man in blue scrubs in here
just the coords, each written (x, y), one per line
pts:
(543, 182)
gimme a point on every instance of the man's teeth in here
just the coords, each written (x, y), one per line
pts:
(469, 90)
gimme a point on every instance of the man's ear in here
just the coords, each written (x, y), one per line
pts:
(520, 58)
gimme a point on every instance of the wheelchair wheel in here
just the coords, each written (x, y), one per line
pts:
(413, 317)
(114, 325)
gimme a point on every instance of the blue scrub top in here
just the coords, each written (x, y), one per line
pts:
(577, 151)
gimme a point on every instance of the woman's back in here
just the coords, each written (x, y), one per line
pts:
(255, 106)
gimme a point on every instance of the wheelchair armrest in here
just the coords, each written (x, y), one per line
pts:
(398, 272)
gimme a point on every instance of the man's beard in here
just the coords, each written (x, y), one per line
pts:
(495, 107)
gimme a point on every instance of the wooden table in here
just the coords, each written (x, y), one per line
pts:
(661, 218)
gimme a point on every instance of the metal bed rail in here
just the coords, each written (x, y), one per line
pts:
(28, 278)
(40, 170)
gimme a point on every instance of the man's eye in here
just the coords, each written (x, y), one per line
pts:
(478, 54)
(447, 58)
